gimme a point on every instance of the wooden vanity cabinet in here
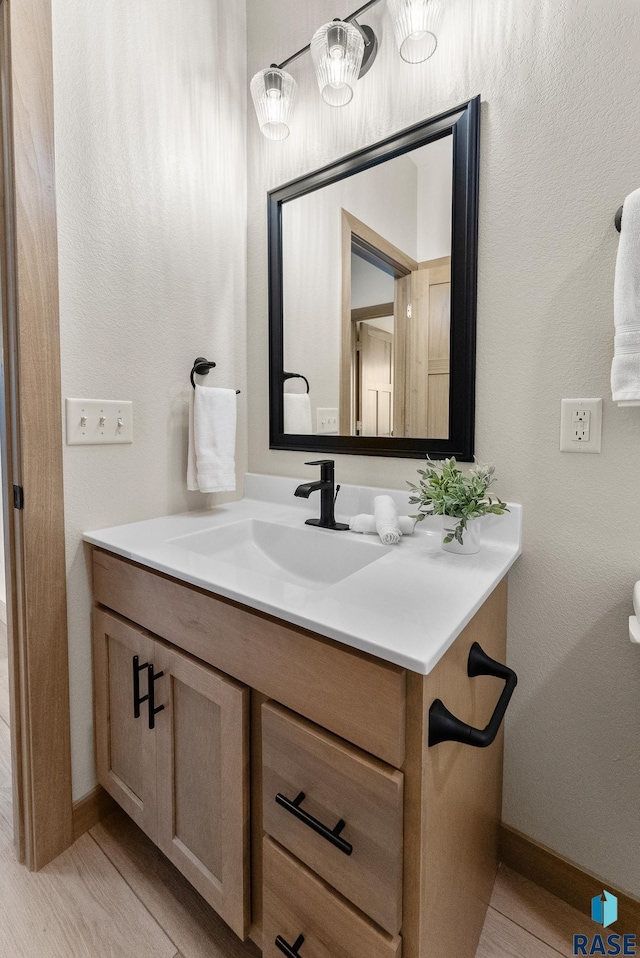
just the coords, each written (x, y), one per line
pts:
(412, 870)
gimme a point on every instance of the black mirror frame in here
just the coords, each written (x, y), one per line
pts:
(464, 123)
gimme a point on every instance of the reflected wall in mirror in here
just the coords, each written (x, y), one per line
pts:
(372, 297)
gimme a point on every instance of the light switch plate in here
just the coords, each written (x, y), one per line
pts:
(581, 425)
(326, 421)
(99, 421)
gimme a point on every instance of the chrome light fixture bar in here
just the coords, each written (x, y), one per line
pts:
(342, 52)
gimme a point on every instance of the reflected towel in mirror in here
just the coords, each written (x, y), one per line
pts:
(297, 414)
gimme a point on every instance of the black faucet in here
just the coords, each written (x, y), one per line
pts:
(326, 486)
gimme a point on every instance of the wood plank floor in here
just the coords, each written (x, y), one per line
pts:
(114, 895)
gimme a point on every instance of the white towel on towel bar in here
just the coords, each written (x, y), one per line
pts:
(625, 369)
(211, 465)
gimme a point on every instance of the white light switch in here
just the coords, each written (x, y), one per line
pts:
(326, 421)
(98, 421)
(581, 425)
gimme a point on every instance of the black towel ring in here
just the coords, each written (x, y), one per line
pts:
(201, 366)
(286, 376)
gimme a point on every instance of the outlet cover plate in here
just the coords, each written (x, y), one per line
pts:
(95, 421)
(571, 415)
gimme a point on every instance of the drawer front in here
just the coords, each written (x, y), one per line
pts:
(357, 696)
(363, 859)
(297, 903)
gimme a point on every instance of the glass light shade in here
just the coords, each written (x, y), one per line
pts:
(274, 93)
(337, 50)
(416, 24)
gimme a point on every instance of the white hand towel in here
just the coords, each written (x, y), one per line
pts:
(297, 414)
(367, 525)
(625, 370)
(211, 465)
(387, 524)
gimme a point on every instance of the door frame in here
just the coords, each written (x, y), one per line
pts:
(402, 265)
(32, 440)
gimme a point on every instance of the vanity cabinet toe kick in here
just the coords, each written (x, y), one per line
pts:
(292, 780)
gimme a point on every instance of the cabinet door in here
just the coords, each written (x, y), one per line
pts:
(203, 781)
(125, 746)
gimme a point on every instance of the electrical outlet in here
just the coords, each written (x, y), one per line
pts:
(99, 421)
(326, 421)
(581, 425)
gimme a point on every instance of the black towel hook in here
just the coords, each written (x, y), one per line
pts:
(201, 366)
(286, 376)
(618, 219)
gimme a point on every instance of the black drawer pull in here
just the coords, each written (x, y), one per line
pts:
(330, 834)
(137, 700)
(445, 727)
(153, 711)
(292, 951)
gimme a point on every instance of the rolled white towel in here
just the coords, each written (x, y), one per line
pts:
(387, 524)
(367, 525)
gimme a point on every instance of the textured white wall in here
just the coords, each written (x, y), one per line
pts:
(435, 188)
(150, 112)
(561, 127)
(370, 285)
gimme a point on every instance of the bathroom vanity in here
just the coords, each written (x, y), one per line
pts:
(276, 749)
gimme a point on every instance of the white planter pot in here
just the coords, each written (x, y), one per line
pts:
(470, 536)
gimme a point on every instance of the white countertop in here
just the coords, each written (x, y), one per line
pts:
(407, 607)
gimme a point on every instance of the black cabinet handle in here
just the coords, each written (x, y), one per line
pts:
(292, 951)
(445, 727)
(330, 834)
(137, 699)
(153, 711)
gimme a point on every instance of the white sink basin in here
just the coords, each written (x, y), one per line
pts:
(308, 557)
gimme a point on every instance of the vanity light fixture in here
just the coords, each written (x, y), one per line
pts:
(416, 23)
(342, 52)
(273, 92)
(337, 51)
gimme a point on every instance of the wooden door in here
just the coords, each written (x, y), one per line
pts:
(376, 381)
(439, 351)
(203, 781)
(428, 351)
(32, 439)
(125, 746)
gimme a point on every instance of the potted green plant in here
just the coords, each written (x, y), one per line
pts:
(462, 500)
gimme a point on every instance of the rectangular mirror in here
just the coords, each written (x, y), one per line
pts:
(372, 297)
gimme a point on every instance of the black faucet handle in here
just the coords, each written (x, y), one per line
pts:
(326, 468)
